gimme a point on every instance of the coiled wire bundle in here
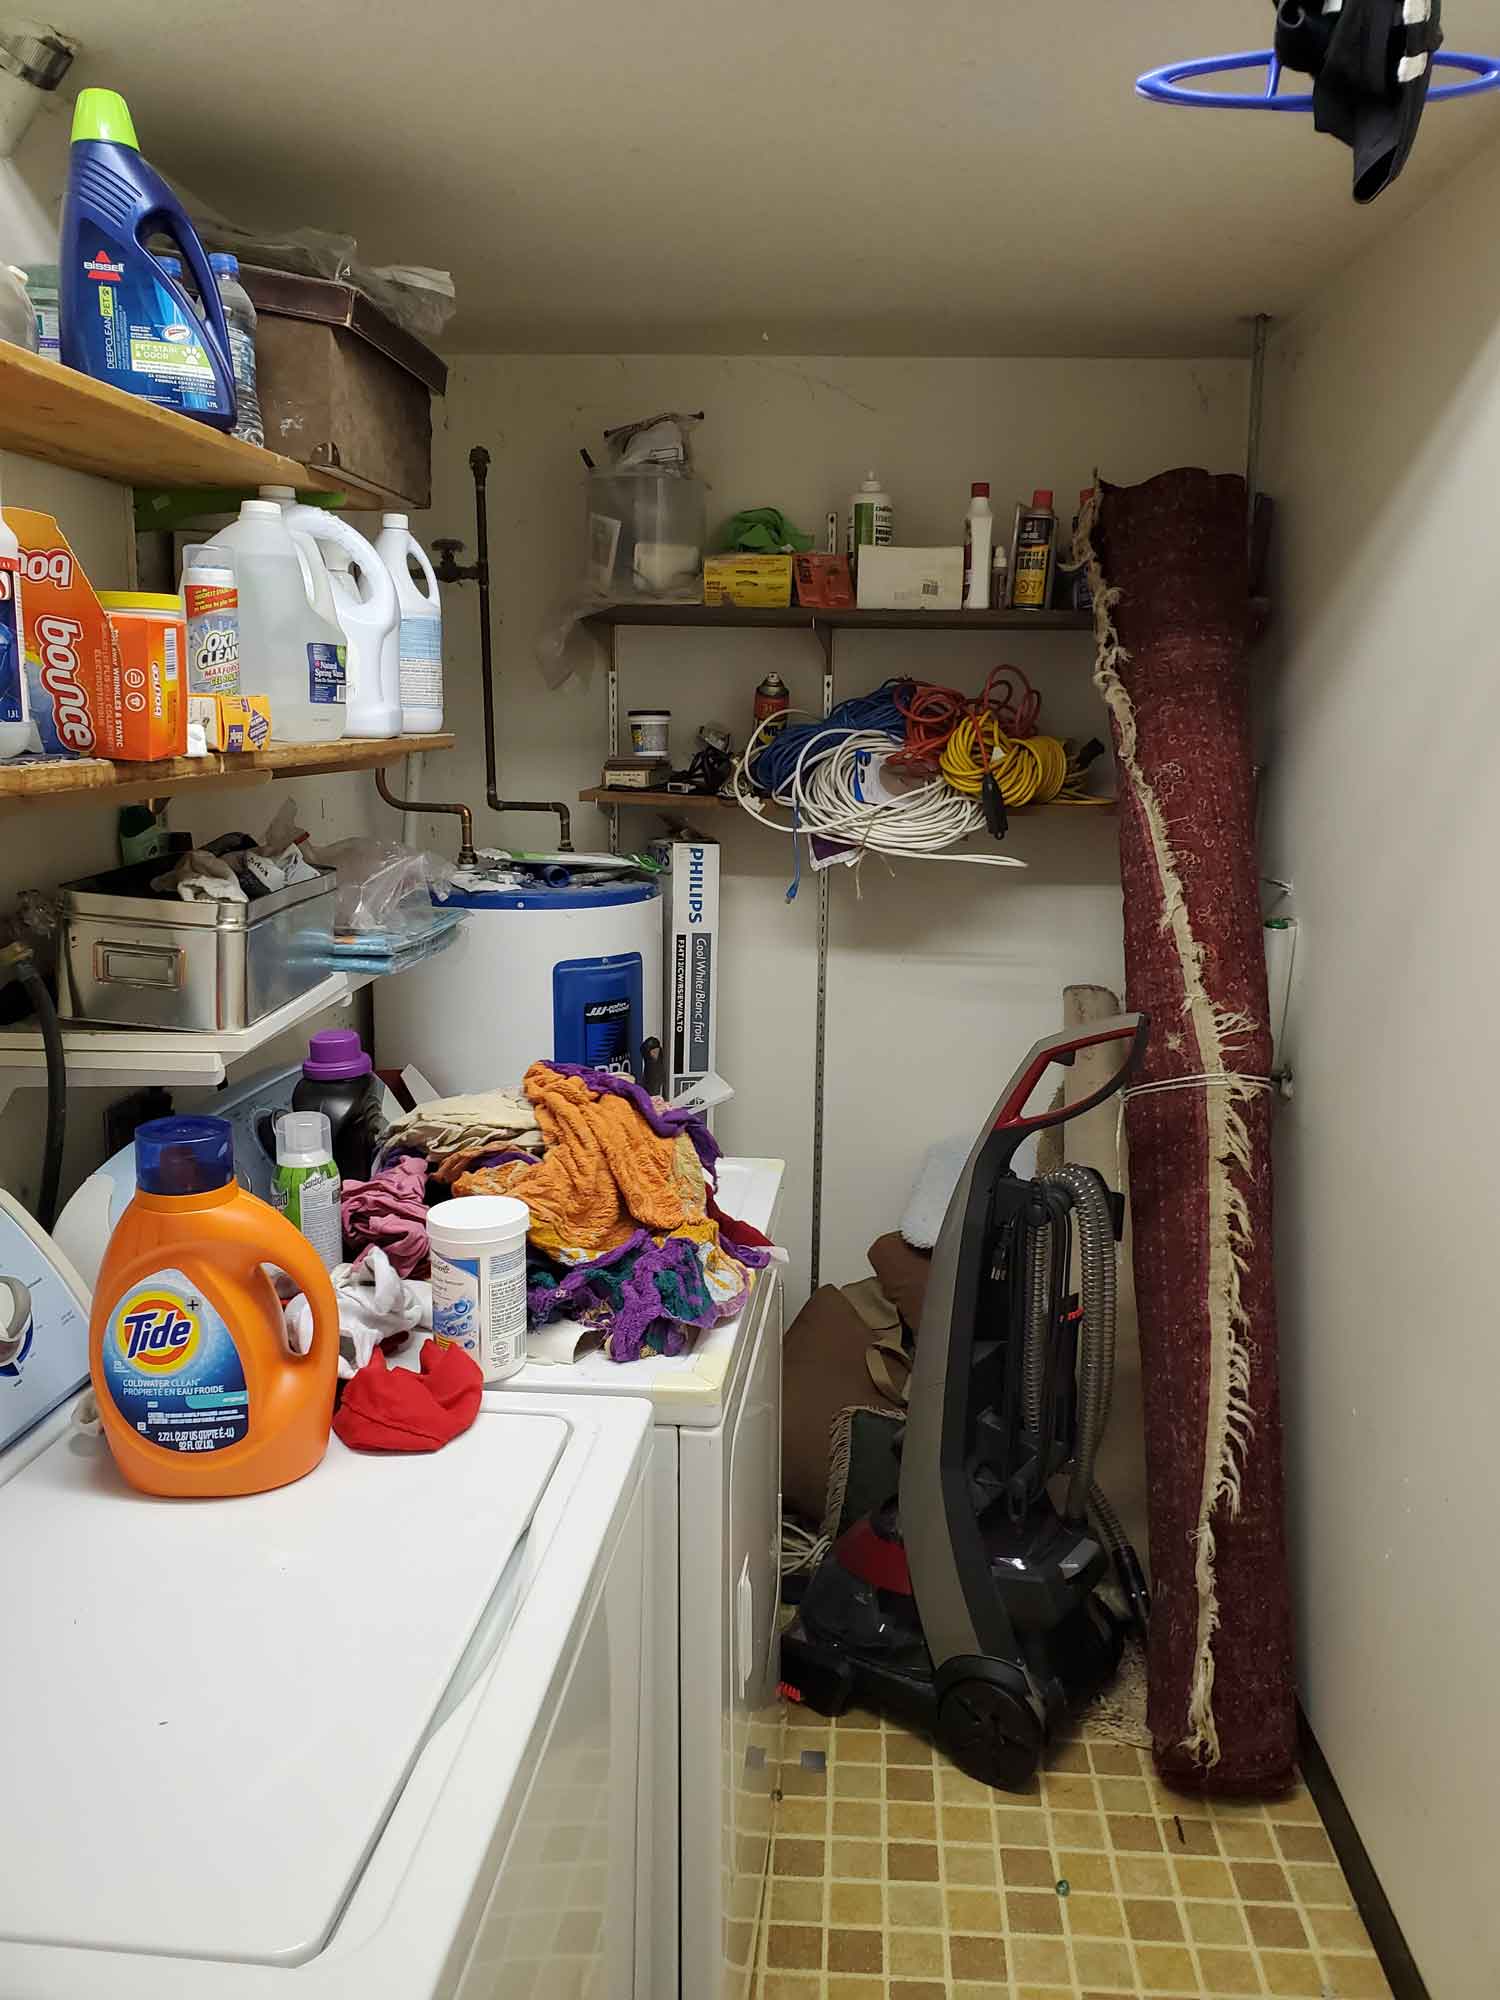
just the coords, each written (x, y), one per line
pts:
(939, 744)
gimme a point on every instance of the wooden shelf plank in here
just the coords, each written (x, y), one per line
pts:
(597, 795)
(53, 413)
(711, 617)
(72, 780)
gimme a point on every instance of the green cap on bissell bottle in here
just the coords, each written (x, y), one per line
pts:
(104, 114)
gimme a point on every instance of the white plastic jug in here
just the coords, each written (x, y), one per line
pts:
(317, 570)
(289, 651)
(370, 619)
(419, 644)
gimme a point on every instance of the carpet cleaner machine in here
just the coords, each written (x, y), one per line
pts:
(969, 1606)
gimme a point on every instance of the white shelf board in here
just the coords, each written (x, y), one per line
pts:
(104, 1058)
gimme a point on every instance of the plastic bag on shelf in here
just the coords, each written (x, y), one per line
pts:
(385, 890)
(416, 296)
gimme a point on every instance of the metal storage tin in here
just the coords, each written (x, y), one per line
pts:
(136, 960)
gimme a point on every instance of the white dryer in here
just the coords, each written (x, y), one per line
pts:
(374, 1736)
(716, 1722)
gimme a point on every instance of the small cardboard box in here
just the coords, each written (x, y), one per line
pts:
(690, 1015)
(747, 580)
(232, 722)
(895, 579)
(73, 675)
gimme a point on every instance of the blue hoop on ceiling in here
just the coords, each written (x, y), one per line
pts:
(1163, 86)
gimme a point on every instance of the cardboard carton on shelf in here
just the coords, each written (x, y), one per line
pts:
(341, 385)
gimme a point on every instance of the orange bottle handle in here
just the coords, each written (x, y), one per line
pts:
(291, 1252)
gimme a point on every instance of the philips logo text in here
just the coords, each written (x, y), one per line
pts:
(695, 885)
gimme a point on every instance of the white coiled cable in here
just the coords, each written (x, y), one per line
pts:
(825, 795)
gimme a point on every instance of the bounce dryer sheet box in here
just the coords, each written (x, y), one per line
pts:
(73, 675)
(690, 960)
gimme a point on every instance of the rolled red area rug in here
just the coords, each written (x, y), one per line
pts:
(1172, 616)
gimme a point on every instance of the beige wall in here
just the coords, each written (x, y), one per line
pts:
(940, 977)
(1382, 723)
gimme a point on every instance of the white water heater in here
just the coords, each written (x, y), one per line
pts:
(568, 974)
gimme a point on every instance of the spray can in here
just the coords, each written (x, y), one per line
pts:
(772, 701)
(306, 1184)
(1032, 548)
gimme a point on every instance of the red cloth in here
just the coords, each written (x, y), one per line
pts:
(393, 1409)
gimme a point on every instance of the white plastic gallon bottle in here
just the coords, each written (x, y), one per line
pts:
(420, 640)
(289, 651)
(370, 619)
(286, 499)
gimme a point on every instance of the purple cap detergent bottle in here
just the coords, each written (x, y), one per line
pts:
(338, 1079)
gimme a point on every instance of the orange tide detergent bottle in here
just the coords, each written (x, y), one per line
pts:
(198, 1391)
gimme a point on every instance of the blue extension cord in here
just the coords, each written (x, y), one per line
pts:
(774, 766)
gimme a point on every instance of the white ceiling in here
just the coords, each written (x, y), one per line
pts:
(849, 176)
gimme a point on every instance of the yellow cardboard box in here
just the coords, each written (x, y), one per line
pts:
(232, 721)
(747, 580)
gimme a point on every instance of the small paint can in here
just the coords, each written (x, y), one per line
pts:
(651, 732)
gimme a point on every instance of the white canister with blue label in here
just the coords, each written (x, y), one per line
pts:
(479, 1279)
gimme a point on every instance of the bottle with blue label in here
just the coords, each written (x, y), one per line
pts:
(199, 1391)
(122, 318)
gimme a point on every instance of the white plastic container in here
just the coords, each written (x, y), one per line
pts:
(979, 541)
(239, 317)
(479, 1279)
(15, 709)
(369, 614)
(651, 732)
(289, 650)
(418, 646)
(872, 518)
(317, 570)
(211, 600)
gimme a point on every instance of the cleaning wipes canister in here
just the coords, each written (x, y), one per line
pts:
(479, 1279)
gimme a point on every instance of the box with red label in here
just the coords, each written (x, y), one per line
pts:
(73, 672)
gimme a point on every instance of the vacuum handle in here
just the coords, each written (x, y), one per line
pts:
(1062, 1048)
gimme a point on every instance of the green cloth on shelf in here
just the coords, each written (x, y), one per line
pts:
(763, 531)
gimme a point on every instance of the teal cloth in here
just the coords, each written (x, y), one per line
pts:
(763, 531)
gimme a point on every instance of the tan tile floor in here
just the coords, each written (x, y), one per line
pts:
(895, 1877)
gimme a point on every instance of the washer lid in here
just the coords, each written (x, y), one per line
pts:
(211, 1706)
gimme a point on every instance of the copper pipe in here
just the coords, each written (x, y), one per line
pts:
(466, 854)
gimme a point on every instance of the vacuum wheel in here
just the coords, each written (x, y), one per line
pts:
(990, 1731)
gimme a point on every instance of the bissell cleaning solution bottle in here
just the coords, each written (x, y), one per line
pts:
(419, 643)
(122, 318)
(198, 1391)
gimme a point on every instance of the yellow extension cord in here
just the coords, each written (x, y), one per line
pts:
(1030, 770)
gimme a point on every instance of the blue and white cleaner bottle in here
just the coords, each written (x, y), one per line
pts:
(15, 719)
(122, 318)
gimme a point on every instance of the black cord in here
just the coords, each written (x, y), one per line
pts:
(57, 1089)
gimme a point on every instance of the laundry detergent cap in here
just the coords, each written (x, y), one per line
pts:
(333, 1053)
(104, 114)
(184, 1155)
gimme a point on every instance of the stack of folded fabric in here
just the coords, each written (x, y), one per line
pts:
(626, 1235)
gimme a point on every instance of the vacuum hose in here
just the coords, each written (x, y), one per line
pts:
(1089, 1198)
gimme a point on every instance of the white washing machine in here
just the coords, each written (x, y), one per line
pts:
(716, 1721)
(374, 1736)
